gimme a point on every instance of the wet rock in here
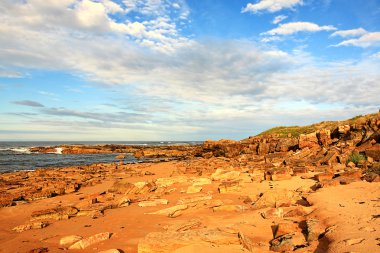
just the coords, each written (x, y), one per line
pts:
(86, 242)
(29, 226)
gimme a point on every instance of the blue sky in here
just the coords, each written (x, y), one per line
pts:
(183, 70)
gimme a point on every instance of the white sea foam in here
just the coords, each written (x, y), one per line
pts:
(21, 150)
(58, 150)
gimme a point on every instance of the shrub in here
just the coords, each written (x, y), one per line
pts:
(356, 158)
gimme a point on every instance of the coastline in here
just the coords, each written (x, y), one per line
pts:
(268, 193)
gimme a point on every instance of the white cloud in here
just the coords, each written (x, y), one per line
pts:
(271, 5)
(376, 55)
(370, 39)
(295, 27)
(350, 33)
(279, 19)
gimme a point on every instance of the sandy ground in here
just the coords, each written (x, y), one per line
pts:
(351, 211)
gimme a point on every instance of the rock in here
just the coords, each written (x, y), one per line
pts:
(86, 242)
(121, 156)
(194, 189)
(324, 176)
(374, 153)
(354, 241)
(245, 242)
(69, 240)
(282, 243)
(123, 187)
(229, 208)
(184, 226)
(278, 174)
(58, 213)
(145, 187)
(273, 213)
(194, 199)
(328, 183)
(124, 201)
(34, 225)
(351, 165)
(167, 242)
(110, 251)
(276, 198)
(221, 174)
(168, 181)
(229, 186)
(313, 230)
(372, 177)
(285, 228)
(286, 144)
(153, 202)
(324, 137)
(39, 250)
(172, 212)
(308, 141)
(297, 211)
(201, 181)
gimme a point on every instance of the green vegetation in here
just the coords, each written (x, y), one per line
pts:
(295, 131)
(356, 158)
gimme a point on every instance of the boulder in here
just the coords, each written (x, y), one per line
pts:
(308, 141)
(324, 176)
(194, 189)
(313, 230)
(221, 174)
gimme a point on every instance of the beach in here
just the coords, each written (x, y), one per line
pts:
(262, 194)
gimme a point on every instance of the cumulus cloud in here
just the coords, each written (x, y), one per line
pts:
(28, 103)
(370, 39)
(279, 19)
(271, 5)
(190, 88)
(349, 33)
(295, 27)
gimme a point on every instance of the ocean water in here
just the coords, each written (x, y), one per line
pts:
(16, 156)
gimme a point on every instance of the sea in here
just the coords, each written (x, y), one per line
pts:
(16, 156)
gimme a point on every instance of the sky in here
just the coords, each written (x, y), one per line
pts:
(129, 70)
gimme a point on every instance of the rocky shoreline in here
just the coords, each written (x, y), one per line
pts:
(277, 192)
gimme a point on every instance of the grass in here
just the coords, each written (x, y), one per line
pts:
(295, 131)
(356, 158)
